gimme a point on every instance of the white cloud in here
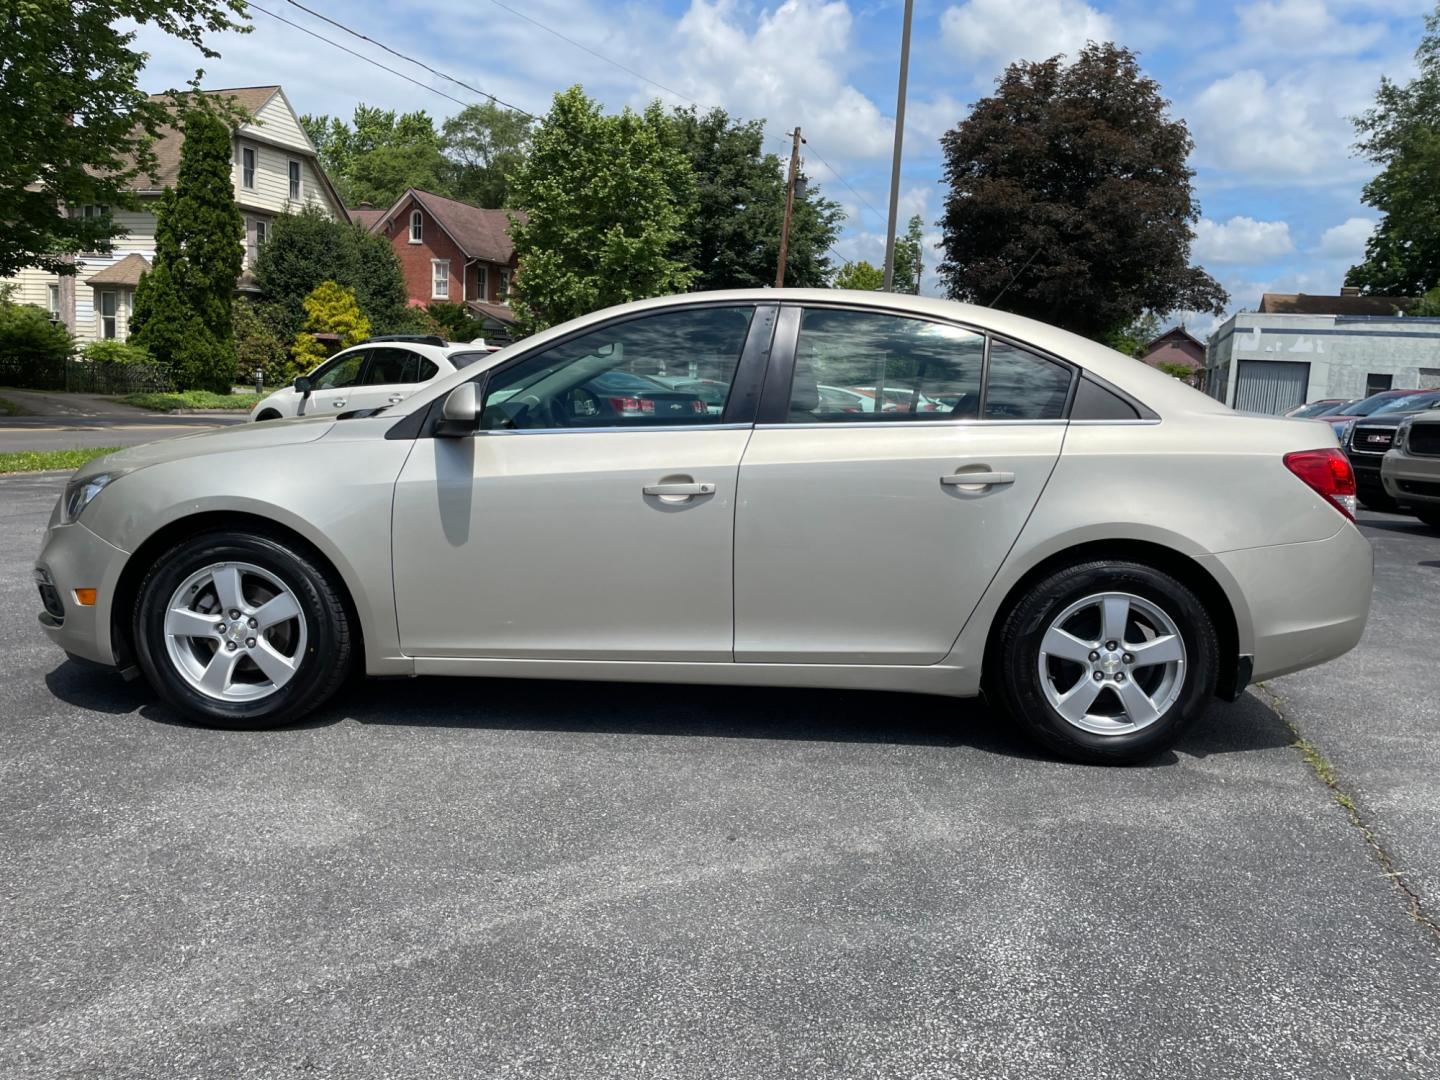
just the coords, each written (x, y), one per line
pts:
(1303, 24)
(1000, 31)
(1347, 240)
(1241, 240)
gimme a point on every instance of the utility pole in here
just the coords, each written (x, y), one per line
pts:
(789, 206)
(899, 142)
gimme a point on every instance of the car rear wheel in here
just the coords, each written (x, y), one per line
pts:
(268, 414)
(1106, 662)
(241, 631)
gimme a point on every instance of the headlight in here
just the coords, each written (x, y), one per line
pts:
(1344, 432)
(81, 493)
(1402, 433)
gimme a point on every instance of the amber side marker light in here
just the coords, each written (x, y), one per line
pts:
(85, 597)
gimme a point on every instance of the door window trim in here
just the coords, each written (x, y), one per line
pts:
(775, 402)
(740, 405)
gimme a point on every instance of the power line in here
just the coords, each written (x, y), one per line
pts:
(359, 56)
(410, 59)
(835, 172)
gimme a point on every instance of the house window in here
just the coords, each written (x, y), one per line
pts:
(247, 166)
(417, 227)
(504, 296)
(1374, 384)
(261, 228)
(90, 211)
(107, 314)
(482, 283)
(52, 301)
(295, 180)
(440, 279)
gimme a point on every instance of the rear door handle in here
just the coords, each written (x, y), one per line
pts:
(679, 489)
(395, 399)
(977, 479)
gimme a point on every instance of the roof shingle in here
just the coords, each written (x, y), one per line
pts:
(125, 272)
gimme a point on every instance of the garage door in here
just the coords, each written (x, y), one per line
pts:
(1271, 386)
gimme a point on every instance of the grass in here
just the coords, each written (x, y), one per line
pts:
(9, 408)
(43, 460)
(190, 399)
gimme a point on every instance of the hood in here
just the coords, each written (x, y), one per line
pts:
(246, 436)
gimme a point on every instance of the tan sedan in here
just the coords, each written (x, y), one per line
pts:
(1097, 547)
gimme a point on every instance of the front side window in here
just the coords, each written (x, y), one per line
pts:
(247, 166)
(1024, 386)
(417, 227)
(858, 366)
(340, 372)
(439, 279)
(108, 310)
(639, 373)
(295, 180)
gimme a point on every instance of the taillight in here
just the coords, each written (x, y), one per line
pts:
(629, 406)
(1328, 473)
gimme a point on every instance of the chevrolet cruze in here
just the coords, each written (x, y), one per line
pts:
(1098, 548)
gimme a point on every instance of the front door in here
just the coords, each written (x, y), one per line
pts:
(868, 537)
(592, 515)
(332, 383)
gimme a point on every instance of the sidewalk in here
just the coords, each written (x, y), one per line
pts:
(57, 403)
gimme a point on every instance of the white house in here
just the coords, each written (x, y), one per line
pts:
(1300, 348)
(275, 170)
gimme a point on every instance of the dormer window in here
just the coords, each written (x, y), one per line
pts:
(417, 227)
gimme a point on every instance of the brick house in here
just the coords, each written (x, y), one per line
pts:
(1176, 346)
(451, 252)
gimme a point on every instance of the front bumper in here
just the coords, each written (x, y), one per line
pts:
(1308, 603)
(1410, 479)
(73, 558)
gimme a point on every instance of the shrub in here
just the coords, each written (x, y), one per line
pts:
(455, 322)
(259, 345)
(329, 309)
(118, 353)
(33, 350)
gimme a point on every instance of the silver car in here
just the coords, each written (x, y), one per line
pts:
(1411, 471)
(1095, 546)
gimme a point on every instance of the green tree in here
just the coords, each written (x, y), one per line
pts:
(75, 126)
(182, 307)
(1401, 134)
(308, 248)
(909, 255)
(330, 309)
(379, 154)
(484, 144)
(1070, 199)
(606, 200)
(860, 275)
(455, 321)
(33, 348)
(732, 232)
(1131, 340)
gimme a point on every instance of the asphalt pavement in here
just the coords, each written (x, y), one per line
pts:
(466, 878)
(82, 421)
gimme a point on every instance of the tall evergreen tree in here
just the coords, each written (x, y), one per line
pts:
(183, 306)
(606, 199)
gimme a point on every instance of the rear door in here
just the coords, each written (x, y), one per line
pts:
(869, 537)
(392, 374)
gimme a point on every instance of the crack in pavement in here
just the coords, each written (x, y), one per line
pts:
(1328, 775)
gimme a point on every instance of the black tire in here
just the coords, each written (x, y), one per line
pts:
(268, 414)
(1014, 679)
(327, 656)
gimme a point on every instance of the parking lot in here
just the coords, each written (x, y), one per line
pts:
(482, 879)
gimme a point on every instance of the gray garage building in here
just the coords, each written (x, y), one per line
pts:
(1300, 348)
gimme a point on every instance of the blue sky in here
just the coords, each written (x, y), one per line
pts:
(1266, 87)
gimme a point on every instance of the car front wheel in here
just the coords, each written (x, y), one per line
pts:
(241, 631)
(1106, 662)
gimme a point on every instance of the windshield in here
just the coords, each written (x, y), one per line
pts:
(1407, 403)
(1315, 408)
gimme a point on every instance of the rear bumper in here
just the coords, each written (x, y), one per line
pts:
(1308, 603)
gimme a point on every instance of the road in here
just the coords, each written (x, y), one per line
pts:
(453, 878)
(82, 421)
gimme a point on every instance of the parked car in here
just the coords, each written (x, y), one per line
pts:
(1410, 469)
(1098, 547)
(379, 372)
(1312, 410)
(712, 392)
(1343, 418)
(1368, 438)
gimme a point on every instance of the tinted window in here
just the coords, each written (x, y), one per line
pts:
(860, 366)
(340, 372)
(388, 366)
(1023, 386)
(630, 374)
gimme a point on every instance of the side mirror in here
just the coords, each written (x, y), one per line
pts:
(460, 415)
(302, 384)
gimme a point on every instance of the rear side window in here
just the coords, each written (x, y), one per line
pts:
(1024, 386)
(465, 359)
(391, 366)
(859, 367)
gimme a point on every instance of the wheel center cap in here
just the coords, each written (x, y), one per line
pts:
(1110, 663)
(237, 631)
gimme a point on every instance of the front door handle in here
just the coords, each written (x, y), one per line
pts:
(679, 489)
(395, 399)
(338, 403)
(977, 479)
